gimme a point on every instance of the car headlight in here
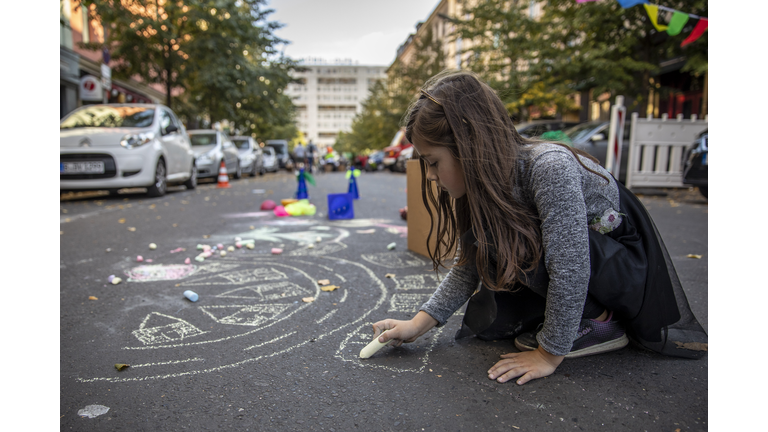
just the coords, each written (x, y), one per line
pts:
(136, 140)
(205, 159)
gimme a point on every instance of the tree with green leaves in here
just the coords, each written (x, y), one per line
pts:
(379, 120)
(587, 48)
(222, 55)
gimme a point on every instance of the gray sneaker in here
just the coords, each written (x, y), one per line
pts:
(593, 337)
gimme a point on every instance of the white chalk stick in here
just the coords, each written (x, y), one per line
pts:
(374, 346)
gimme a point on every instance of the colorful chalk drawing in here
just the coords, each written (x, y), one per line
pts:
(159, 272)
(251, 302)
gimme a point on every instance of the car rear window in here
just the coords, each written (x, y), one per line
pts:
(110, 116)
(203, 139)
(241, 144)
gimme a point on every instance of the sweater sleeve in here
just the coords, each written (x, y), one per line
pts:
(558, 196)
(455, 289)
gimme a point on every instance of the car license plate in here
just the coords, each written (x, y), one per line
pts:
(93, 167)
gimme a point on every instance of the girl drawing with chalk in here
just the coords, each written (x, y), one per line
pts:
(548, 248)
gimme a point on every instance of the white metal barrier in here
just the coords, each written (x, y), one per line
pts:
(656, 149)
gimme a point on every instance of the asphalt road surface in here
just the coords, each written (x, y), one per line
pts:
(254, 354)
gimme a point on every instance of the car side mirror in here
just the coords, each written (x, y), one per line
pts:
(170, 129)
(598, 137)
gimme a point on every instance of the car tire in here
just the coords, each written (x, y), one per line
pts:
(262, 170)
(161, 184)
(238, 171)
(191, 182)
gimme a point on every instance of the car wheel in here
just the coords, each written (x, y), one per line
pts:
(238, 171)
(703, 190)
(160, 185)
(191, 182)
(262, 170)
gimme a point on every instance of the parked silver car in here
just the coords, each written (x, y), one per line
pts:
(251, 155)
(592, 137)
(211, 147)
(270, 159)
(116, 146)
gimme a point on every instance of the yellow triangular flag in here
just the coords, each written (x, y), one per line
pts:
(653, 14)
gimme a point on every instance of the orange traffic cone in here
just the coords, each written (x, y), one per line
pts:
(223, 177)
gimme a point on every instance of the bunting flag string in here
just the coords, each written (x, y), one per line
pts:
(676, 22)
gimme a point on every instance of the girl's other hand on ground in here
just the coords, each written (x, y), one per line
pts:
(528, 365)
(404, 331)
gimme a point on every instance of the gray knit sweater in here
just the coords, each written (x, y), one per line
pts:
(566, 196)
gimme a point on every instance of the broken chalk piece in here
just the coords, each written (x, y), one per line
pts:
(191, 295)
(230, 249)
(310, 246)
(110, 278)
(187, 261)
(374, 346)
(199, 258)
(276, 251)
(116, 281)
(391, 245)
(139, 258)
(152, 246)
(223, 253)
(323, 282)
(250, 246)
(318, 240)
(308, 299)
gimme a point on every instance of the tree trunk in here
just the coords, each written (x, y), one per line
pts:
(584, 113)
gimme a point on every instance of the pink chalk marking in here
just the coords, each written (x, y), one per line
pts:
(159, 272)
(276, 251)
(180, 249)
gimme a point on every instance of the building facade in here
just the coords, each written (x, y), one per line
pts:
(328, 96)
(85, 75)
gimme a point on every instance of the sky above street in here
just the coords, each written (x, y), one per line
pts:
(367, 32)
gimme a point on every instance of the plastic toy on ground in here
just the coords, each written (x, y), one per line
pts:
(301, 208)
(280, 211)
(268, 205)
(352, 174)
(340, 206)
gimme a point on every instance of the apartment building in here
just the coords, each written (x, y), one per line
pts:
(328, 96)
(84, 75)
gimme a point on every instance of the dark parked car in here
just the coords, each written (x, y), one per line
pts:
(281, 151)
(538, 127)
(695, 163)
(375, 161)
(251, 156)
(592, 137)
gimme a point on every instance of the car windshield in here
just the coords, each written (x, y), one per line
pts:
(202, 139)
(580, 132)
(279, 148)
(242, 144)
(110, 116)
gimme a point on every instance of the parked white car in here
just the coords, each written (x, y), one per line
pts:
(115, 146)
(211, 148)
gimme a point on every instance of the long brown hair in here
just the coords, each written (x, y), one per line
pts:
(458, 111)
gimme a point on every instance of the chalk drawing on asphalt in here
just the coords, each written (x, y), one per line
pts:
(160, 328)
(327, 248)
(417, 282)
(159, 272)
(277, 347)
(357, 223)
(274, 235)
(410, 357)
(268, 292)
(395, 260)
(239, 277)
(246, 315)
(402, 302)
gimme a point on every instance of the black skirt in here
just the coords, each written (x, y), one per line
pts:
(631, 275)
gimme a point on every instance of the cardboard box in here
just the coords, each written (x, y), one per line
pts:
(418, 218)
